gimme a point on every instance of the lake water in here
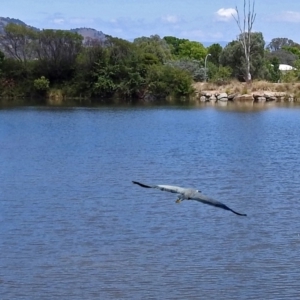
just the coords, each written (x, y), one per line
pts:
(73, 226)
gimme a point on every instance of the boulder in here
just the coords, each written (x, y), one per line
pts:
(243, 98)
(272, 98)
(212, 98)
(260, 99)
(258, 94)
(222, 97)
(231, 96)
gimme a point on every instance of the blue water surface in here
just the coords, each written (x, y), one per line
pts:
(73, 226)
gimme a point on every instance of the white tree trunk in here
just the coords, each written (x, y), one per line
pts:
(245, 34)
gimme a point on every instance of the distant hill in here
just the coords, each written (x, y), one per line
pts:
(5, 21)
(88, 34)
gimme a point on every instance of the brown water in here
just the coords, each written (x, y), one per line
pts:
(73, 226)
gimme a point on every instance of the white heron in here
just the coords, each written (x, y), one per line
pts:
(189, 194)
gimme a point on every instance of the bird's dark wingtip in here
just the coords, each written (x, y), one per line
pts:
(243, 215)
(141, 184)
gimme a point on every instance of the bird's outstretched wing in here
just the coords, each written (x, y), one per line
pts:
(207, 200)
(167, 188)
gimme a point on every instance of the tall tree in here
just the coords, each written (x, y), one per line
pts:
(245, 28)
(278, 43)
(57, 51)
(174, 43)
(192, 50)
(154, 45)
(215, 51)
(232, 56)
(17, 42)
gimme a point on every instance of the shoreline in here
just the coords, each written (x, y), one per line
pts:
(257, 91)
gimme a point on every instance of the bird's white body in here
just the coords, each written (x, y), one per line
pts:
(172, 189)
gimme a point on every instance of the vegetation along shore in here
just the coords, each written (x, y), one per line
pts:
(57, 65)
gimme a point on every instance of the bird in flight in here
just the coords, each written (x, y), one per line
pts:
(189, 194)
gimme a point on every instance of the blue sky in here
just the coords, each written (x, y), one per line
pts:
(197, 20)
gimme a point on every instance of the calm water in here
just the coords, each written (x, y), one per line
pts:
(73, 226)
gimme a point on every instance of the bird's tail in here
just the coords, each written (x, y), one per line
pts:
(141, 184)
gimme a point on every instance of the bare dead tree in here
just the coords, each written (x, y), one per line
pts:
(245, 28)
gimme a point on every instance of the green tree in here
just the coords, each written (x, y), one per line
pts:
(154, 45)
(232, 56)
(193, 67)
(278, 43)
(293, 49)
(17, 42)
(57, 51)
(215, 51)
(192, 50)
(41, 84)
(165, 80)
(273, 68)
(86, 66)
(121, 70)
(174, 44)
(284, 56)
(221, 75)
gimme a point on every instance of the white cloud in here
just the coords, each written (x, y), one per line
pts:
(170, 19)
(58, 21)
(289, 16)
(225, 14)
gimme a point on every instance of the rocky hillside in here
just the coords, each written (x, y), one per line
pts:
(90, 34)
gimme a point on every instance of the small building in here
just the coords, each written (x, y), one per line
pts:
(284, 68)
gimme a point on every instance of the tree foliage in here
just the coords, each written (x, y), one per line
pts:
(41, 84)
(215, 51)
(193, 67)
(295, 50)
(192, 50)
(166, 80)
(174, 44)
(56, 52)
(154, 45)
(35, 61)
(272, 66)
(283, 56)
(186, 49)
(278, 43)
(17, 42)
(232, 56)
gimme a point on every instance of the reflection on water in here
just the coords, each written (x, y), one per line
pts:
(73, 226)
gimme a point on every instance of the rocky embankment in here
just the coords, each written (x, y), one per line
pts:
(259, 97)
